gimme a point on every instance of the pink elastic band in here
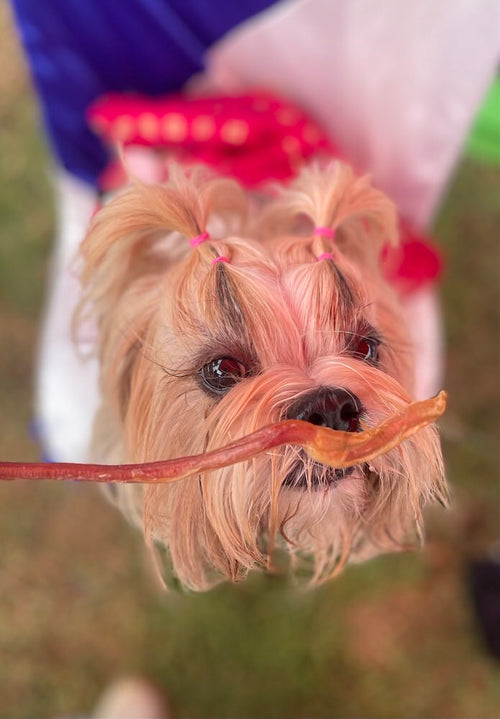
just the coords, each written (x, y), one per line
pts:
(325, 256)
(221, 258)
(195, 241)
(325, 232)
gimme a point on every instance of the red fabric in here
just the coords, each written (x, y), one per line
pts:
(414, 264)
(255, 138)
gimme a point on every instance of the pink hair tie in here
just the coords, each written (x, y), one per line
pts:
(221, 258)
(195, 241)
(324, 232)
(325, 256)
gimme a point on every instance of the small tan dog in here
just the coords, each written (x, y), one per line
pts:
(282, 311)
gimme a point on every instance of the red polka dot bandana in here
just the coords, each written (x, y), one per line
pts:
(253, 137)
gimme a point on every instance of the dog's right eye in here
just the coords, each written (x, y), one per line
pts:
(219, 375)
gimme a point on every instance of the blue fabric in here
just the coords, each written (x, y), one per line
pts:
(81, 49)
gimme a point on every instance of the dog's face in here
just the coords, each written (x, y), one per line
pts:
(269, 318)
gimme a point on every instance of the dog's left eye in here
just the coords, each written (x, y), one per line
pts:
(219, 375)
(367, 348)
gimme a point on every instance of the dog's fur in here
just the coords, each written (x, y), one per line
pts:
(166, 310)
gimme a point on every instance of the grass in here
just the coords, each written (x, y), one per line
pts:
(78, 605)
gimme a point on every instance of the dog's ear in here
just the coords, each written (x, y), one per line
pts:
(131, 243)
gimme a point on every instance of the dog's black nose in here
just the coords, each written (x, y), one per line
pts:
(331, 407)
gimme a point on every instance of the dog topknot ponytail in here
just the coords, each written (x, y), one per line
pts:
(123, 236)
(332, 198)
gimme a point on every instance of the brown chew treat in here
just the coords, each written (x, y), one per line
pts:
(335, 448)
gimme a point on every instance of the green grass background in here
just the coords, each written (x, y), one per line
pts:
(79, 605)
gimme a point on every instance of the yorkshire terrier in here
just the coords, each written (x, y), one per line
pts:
(220, 313)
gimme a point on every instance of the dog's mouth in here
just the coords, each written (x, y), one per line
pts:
(310, 475)
(307, 474)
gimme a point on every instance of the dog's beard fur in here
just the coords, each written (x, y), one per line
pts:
(165, 311)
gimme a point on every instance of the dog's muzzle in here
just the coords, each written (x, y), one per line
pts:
(331, 407)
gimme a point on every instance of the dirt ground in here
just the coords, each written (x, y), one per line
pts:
(79, 604)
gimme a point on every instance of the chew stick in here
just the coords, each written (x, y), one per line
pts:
(332, 447)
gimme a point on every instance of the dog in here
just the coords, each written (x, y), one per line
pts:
(220, 312)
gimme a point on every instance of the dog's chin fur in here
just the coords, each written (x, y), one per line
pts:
(166, 310)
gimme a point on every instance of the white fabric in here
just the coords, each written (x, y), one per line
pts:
(396, 82)
(422, 310)
(67, 385)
